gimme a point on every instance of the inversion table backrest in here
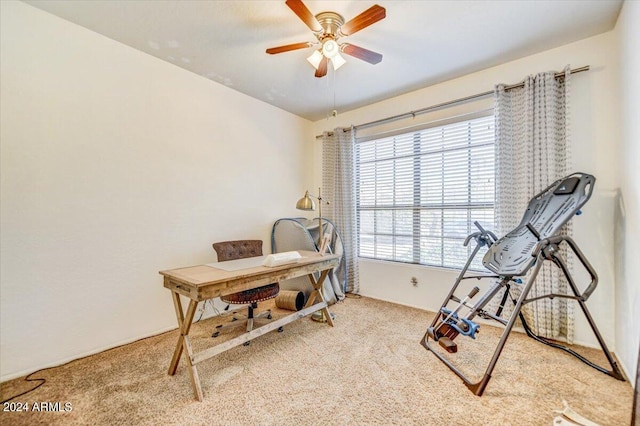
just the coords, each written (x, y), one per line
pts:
(512, 255)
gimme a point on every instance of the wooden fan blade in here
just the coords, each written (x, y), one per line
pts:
(361, 53)
(288, 47)
(370, 16)
(305, 14)
(322, 68)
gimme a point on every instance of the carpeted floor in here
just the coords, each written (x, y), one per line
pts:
(369, 369)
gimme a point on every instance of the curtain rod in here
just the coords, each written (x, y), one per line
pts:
(449, 103)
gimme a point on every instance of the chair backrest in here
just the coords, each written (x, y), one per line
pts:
(240, 249)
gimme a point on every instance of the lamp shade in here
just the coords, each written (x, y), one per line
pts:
(306, 203)
(337, 61)
(315, 58)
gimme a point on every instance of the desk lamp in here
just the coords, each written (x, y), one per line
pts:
(306, 203)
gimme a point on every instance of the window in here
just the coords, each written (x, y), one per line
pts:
(419, 193)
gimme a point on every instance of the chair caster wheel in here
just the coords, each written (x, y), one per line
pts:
(246, 343)
(280, 329)
(216, 334)
(269, 316)
(219, 326)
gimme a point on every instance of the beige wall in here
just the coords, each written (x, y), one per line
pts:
(115, 165)
(595, 142)
(628, 208)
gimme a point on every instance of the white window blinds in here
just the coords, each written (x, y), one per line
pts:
(418, 193)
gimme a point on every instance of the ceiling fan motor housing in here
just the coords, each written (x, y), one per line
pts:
(331, 23)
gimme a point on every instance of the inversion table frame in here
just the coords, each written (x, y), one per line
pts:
(534, 241)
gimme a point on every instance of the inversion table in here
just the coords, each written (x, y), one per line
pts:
(535, 240)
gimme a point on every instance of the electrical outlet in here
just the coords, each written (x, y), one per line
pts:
(414, 281)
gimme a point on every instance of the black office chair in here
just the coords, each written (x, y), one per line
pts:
(230, 250)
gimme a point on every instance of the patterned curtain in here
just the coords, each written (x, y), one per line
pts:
(338, 187)
(532, 151)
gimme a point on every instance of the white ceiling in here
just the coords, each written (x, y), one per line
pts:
(423, 42)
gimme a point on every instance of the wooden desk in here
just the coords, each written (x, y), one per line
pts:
(199, 283)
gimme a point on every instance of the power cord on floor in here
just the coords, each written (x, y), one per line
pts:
(43, 381)
(29, 379)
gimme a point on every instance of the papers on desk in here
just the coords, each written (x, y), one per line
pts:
(238, 264)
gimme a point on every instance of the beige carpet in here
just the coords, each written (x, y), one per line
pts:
(369, 369)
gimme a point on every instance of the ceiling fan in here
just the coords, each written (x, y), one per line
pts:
(329, 27)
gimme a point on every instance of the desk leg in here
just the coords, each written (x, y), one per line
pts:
(178, 351)
(317, 294)
(184, 344)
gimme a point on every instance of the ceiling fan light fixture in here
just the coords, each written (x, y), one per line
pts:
(315, 58)
(330, 48)
(337, 61)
